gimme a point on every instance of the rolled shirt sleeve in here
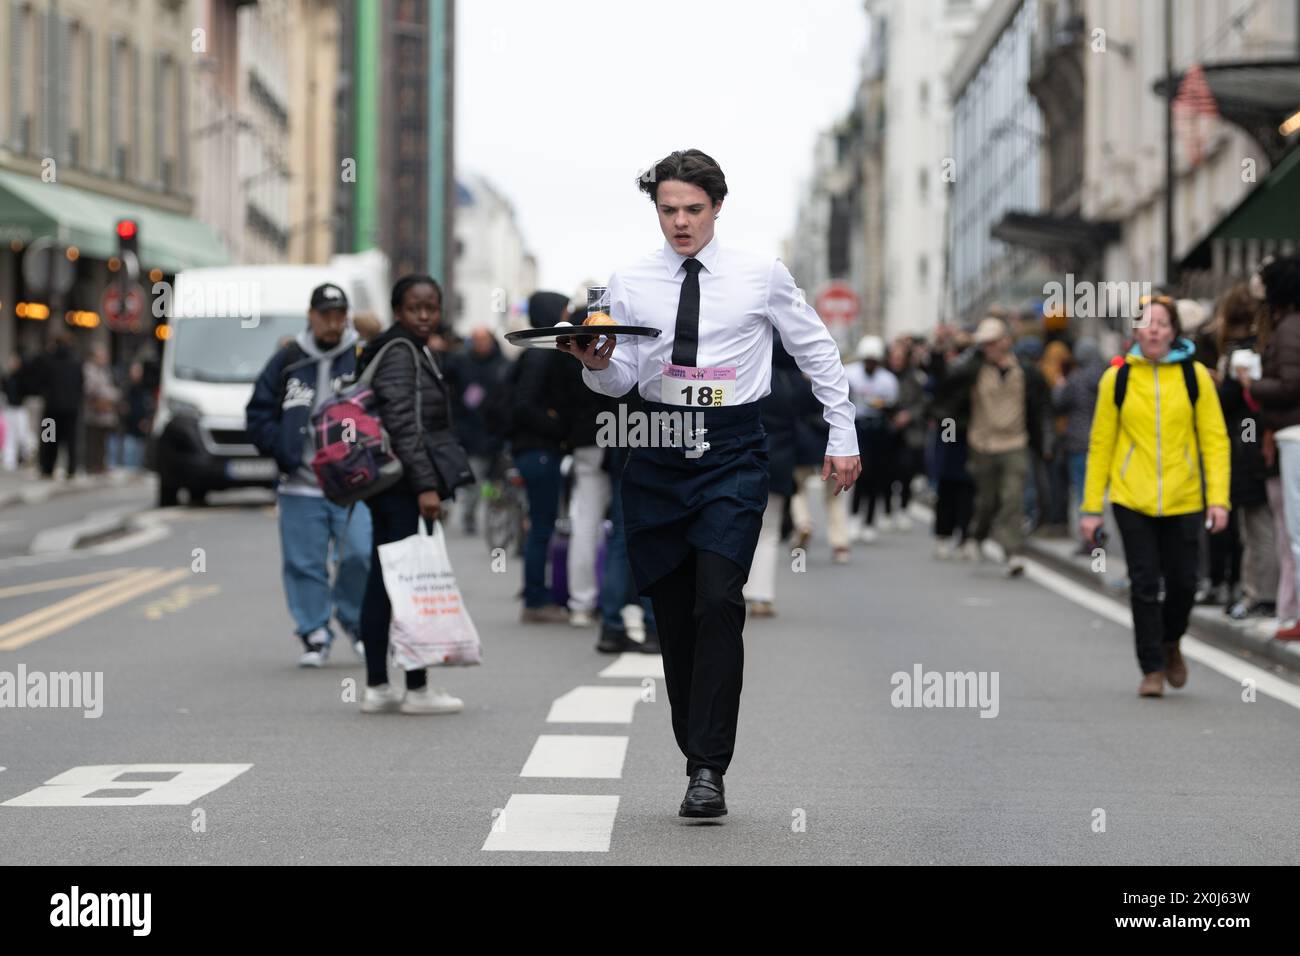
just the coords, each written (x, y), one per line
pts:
(815, 352)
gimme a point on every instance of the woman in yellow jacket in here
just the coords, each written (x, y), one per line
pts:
(1150, 446)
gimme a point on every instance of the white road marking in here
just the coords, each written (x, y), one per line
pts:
(635, 664)
(595, 705)
(554, 823)
(1197, 650)
(186, 783)
(576, 755)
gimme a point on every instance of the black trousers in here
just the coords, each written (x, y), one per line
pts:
(65, 437)
(393, 516)
(1165, 548)
(700, 611)
(953, 508)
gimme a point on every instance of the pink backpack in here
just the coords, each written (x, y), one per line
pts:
(355, 459)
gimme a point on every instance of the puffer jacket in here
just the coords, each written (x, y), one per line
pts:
(1278, 391)
(1146, 453)
(394, 387)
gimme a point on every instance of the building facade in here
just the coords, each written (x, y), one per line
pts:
(95, 126)
(495, 273)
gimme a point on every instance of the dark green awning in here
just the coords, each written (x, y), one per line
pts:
(31, 208)
(1266, 221)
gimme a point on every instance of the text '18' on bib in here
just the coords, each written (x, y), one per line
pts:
(694, 387)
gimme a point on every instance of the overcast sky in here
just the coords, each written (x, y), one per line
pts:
(560, 104)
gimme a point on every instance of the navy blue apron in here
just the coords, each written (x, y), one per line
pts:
(673, 504)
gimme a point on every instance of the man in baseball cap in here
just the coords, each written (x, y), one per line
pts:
(296, 381)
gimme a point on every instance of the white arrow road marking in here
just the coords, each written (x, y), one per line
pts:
(635, 664)
(595, 705)
(555, 823)
(576, 755)
(130, 785)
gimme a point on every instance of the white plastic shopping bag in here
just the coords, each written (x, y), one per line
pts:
(431, 625)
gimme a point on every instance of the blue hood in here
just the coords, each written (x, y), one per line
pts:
(1180, 351)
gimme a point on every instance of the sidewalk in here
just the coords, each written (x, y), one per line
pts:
(24, 486)
(1209, 621)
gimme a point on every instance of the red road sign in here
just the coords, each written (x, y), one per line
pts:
(121, 312)
(837, 303)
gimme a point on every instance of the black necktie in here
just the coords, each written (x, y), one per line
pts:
(686, 336)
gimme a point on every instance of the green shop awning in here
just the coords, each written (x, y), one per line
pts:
(1266, 222)
(31, 208)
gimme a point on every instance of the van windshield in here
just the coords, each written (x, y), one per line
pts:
(223, 350)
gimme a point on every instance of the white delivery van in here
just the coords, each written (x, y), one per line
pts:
(226, 323)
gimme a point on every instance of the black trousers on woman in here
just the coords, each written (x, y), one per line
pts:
(393, 516)
(1160, 548)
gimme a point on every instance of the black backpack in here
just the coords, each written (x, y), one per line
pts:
(1189, 376)
(498, 408)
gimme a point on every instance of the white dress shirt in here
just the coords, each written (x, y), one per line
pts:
(742, 296)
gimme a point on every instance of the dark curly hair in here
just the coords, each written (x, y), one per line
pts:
(1281, 279)
(687, 166)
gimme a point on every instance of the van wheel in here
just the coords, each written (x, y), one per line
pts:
(198, 497)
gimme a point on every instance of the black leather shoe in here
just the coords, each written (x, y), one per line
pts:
(615, 642)
(704, 795)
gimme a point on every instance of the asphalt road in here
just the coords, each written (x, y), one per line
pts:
(199, 669)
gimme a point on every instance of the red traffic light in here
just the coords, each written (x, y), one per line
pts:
(126, 228)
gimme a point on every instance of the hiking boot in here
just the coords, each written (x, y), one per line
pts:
(1153, 685)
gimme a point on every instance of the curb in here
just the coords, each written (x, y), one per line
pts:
(36, 491)
(1210, 626)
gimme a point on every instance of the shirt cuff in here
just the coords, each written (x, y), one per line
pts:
(842, 443)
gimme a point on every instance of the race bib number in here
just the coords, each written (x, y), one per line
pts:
(693, 387)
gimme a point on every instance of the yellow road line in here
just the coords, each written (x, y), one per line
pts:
(56, 584)
(10, 628)
(110, 596)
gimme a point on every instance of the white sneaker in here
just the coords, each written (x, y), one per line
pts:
(359, 648)
(885, 524)
(431, 700)
(318, 648)
(867, 535)
(943, 549)
(992, 551)
(581, 618)
(903, 522)
(1015, 567)
(969, 550)
(856, 525)
(380, 700)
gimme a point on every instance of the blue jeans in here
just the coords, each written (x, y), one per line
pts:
(125, 450)
(307, 526)
(541, 474)
(1078, 465)
(617, 588)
